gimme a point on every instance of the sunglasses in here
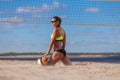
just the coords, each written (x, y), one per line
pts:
(54, 21)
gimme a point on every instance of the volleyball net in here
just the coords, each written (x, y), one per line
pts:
(74, 12)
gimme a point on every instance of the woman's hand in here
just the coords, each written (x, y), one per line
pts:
(45, 54)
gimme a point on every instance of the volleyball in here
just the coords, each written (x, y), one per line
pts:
(42, 61)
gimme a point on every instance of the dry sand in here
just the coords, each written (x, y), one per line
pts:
(30, 70)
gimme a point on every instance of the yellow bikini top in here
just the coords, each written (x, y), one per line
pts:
(60, 38)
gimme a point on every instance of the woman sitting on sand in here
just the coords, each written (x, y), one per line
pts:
(58, 43)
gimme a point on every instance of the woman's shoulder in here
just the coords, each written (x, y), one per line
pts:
(61, 30)
(58, 29)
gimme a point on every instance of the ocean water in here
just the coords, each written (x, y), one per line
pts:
(80, 39)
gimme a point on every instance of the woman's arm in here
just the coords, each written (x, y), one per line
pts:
(51, 42)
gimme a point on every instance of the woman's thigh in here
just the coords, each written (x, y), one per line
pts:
(55, 57)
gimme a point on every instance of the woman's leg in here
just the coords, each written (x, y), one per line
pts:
(54, 58)
(66, 61)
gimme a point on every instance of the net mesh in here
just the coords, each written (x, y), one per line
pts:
(81, 12)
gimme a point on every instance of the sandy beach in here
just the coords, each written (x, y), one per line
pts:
(13, 68)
